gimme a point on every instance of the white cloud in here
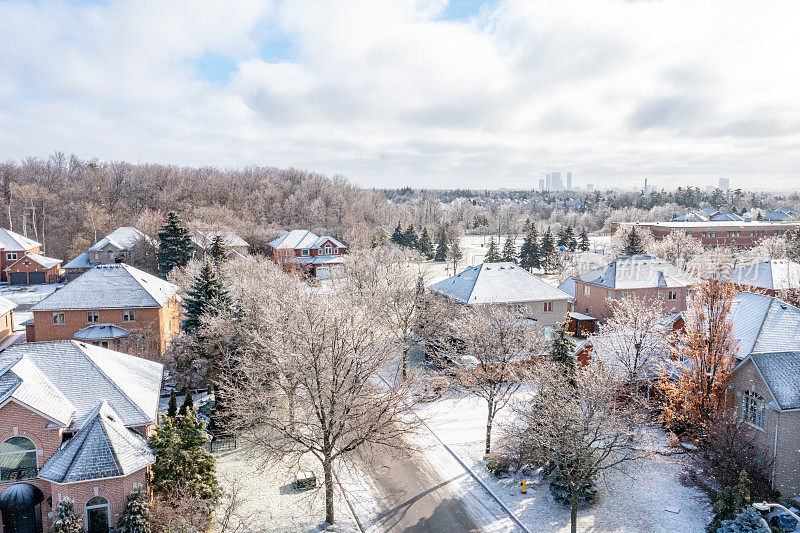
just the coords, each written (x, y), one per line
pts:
(681, 91)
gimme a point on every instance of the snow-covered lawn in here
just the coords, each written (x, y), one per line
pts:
(649, 498)
(270, 501)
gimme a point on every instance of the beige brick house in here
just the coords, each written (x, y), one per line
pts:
(645, 277)
(116, 247)
(73, 424)
(509, 285)
(115, 306)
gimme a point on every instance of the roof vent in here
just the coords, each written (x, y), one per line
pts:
(784, 306)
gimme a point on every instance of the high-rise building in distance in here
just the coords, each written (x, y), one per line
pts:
(569, 181)
(724, 184)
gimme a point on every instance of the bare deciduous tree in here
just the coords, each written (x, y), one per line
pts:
(676, 248)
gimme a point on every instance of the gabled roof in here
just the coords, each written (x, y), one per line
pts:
(101, 332)
(82, 261)
(783, 213)
(203, 239)
(763, 324)
(44, 261)
(637, 272)
(690, 217)
(6, 305)
(122, 238)
(709, 211)
(102, 448)
(568, 286)
(777, 274)
(727, 217)
(64, 380)
(302, 239)
(115, 286)
(780, 372)
(14, 242)
(492, 283)
(325, 238)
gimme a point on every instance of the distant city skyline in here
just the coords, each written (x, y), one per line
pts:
(434, 94)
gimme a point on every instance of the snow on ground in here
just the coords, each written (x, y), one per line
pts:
(25, 296)
(649, 498)
(270, 501)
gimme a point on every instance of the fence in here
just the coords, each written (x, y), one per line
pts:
(221, 443)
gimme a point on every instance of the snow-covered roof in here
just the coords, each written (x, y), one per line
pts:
(763, 324)
(493, 283)
(568, 286)
(6, 305)
(727, 217)
(637, 272)
(320, 260)
(299, 239)
(82, 261)
(709, 211)
(204, 239)
(101, 332)
(776, 274)
(114, 286)
(781, 373)
(44, 261)
(102, 448)
(690, 217)
(122, 238)
(14, 242)
(64, 380)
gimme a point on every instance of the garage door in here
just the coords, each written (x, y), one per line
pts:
(37, 277)
(19, 278)
(323, 272)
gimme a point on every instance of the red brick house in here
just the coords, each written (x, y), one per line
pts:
(34, 268)
(321, 256)
(74, 419)
(642, 276)
(6, 317)
(778, 277)
(12, 247)
(712, 233)
(115, 306)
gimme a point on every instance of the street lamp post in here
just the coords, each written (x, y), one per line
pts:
(764, 506)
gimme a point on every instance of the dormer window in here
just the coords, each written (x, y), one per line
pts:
(328, 249)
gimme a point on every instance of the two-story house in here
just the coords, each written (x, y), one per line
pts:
(116, 247)
(233, 244)
(321, 256)
(506, 284)
(74, 419)
(115, 306)
(645, 277)
(13, 247)
(777, 277)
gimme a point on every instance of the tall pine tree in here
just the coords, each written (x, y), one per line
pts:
(207, 296)
(410, 238)
(548, 253)
(172, 409)
(441, 246)
(583, 243)
(217, 250)
(562, 348)
(397, 236)
(510, 250)
(175, 245)
(633, 244)
(569, 238)
(424, 245)
(529, 253)
(492, 255)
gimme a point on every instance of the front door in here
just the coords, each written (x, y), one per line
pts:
(26, 520)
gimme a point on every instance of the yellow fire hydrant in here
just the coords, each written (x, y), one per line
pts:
(524, 486)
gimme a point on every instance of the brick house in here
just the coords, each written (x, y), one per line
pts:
(778, 277)
(507, 284)
(6, 317)
(73, 424)
(12, 247)
(645, 277)
(320, 256)
(744, 234)
(34, 268)
(765, 384)
(115, 306)
(202, 241)
(116, 247)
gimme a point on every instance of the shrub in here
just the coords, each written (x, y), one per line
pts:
(748, 521)
(559, 488)
(498, 464)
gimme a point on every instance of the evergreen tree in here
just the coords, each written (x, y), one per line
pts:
(172, 410)
(454, 254)
(548, 253)
(562, 348)
(135, 517)
(175, 245)
(748, 521)
(529, 253)
(510, 250)
(569, 239)
(424, 245)
(633, 244)
(207, 296)
(583, 244)
(730, 502)
(492, 255)
(188, 403)
(562, 238)
(397, 236)
(380, 237)
(217, 250)
(441, 246)
(66, 520)
(410, 238)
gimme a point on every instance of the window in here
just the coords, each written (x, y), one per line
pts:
(548, 307)
(336, 251)
(17, 459)
(753, 409)
(102, 344)
(92, 317)
(672, 295)
(305, 253)
(660, 296)
(328, 249)
(128, 315)
(11, 256)
(587, 290)
(59, 318)
(97, 515)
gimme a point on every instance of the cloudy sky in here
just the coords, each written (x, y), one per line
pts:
(426, 93)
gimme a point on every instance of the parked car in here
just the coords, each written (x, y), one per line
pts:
(782, 521)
